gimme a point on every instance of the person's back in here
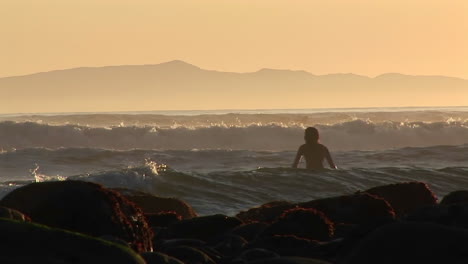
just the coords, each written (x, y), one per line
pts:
(313, 152)
(314, 155)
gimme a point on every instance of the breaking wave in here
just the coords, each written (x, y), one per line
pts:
(349, 135)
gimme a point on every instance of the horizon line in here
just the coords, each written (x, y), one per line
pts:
(243, 110)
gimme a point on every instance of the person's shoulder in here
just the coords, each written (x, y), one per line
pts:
(323, 146)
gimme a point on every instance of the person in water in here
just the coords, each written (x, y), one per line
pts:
(313, 152)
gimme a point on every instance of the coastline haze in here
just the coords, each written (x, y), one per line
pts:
(178, 85)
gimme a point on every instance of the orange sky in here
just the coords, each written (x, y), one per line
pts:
(368, 37)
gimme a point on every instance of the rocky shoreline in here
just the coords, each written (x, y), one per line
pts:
(83, 222)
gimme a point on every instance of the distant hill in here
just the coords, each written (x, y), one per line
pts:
(179, 85)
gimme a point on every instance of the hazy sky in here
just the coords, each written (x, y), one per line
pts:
(368, 37)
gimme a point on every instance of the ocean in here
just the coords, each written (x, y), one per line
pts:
(226, 161)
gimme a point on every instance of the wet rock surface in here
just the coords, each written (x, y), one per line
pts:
(83, 207)
(24, 242)
(373, 226)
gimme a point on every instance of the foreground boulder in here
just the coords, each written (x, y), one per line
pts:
(250, 231)
(24, 242)
(304, 223)
(13, 214)
(159, 258)
(290, 260)
(405, 197)
(163, 219)
(204, 228)
(287, 245)
(266, 213)
(254, 254)
(189, 255)
(359, 208)
(455, 215)
(411, 243)
(457, 197)
(151, 204)
(83, 207)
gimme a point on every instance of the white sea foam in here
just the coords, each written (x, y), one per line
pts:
(350, 135)
(197, 119)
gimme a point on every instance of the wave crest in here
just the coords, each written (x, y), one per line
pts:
(350, 135)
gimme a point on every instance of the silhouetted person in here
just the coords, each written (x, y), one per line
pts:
(313, 152)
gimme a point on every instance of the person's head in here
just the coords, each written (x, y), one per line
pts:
(311, 135)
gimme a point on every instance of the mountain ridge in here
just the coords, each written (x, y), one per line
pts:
(186, 65)
(177, 85)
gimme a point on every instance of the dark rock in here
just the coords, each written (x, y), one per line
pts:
(170, 243)
(165, 245)
(250, 231)
(163, 219)
(115, 240)
(287, 245)
(24, 242)
(151, 204)
(304, 223)
(342, 229)
(13, 214)
(405, 197)
(190, 255)
(159, 258)
(455, 215)
(359, 208)
(234, 261)
(409, 243)
(83, 207)
(204, 228)
(290, 260)
(457, 197)
(257, 254)
(160, 233)
(230, 245)
(267, 213)
(330, 251)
